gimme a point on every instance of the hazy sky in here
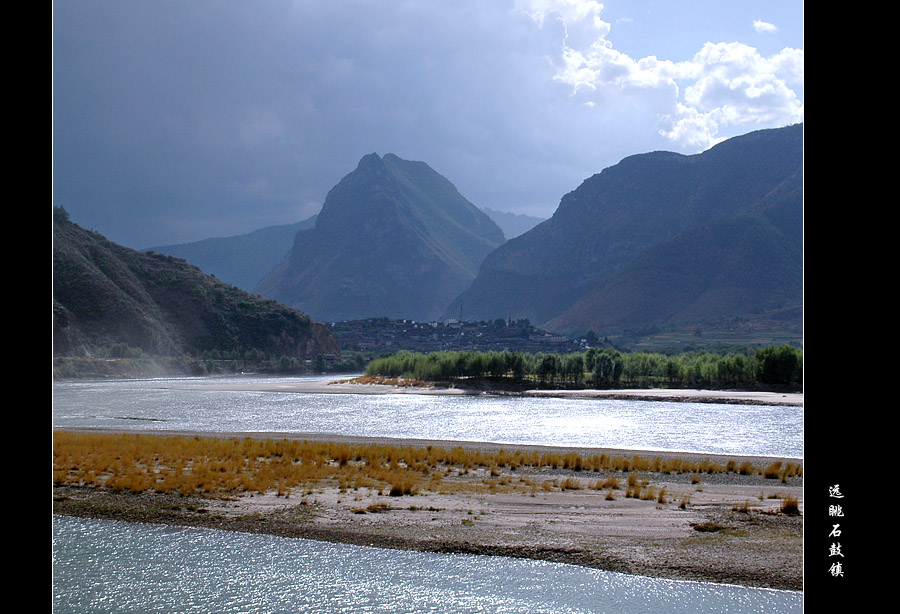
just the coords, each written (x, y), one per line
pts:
(178, 120)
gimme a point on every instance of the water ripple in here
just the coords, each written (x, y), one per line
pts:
(109, 566)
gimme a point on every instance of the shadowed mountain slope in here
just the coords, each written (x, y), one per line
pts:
(106, 294)
(241, 260)
(394, 239)
(659, 237)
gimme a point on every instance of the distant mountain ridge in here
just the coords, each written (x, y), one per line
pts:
(393, 239)
(513, 224)
(243, 260)
(106, 294)
(240, 260)
(660, 237)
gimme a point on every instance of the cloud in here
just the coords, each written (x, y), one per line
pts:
(732, 84)
(764, 27)
(205, 116)
(569, 11)
(723, 85)
(261, 128)
(177, 120)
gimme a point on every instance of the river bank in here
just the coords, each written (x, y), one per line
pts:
(718, 526)
(371, 385)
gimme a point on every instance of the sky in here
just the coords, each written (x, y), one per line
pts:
(180, 120)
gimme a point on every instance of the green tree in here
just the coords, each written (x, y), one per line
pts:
(475, 364)
(608, 369)
(778, 365)
(515, 365)
(573, 368)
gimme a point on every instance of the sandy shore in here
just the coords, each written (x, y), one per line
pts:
(717, 527)
(348, 386)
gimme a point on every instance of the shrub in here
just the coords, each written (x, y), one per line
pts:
(790, 506)
(773, 471)
(571, 484)
(610, 483)
(402, 486)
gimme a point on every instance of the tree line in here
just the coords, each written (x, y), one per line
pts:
(260, 361)
(604, 368)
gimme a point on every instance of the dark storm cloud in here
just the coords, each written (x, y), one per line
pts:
(177, 120)
(180, 120)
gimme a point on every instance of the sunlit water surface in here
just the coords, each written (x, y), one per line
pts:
(108, 566)
(104, 566)
(190, 404)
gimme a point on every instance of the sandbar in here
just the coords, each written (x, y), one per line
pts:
(349, 386)
(716, 527)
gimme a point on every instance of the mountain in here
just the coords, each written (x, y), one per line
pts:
(738, 265)
(106, 294)
(512, 224)
(393, 239)
(240, 260)
(658, 238)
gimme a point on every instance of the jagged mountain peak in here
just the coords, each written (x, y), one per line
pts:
(372, 159)
(394, 238)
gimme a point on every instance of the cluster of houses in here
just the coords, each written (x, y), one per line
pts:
(381, 335)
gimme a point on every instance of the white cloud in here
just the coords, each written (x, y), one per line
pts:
(691, 128)
(569, 11)
(724, 84)
(732, 84)
(764, 27)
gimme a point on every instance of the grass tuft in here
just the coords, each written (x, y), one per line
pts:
(790, 506)
(743, 507)
(246, 466)
(571, 484)
(708, 527)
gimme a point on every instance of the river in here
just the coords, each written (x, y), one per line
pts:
(107, 566)
(208, 404)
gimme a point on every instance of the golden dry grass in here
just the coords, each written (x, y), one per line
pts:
(240, 465)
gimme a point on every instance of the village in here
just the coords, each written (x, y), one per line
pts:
(384, 335)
